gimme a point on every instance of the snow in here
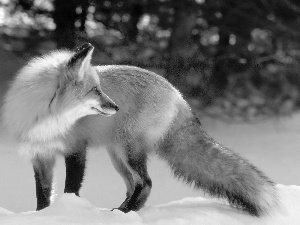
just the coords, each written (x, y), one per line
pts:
(70, 209)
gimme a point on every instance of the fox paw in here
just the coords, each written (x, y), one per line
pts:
(122, 209)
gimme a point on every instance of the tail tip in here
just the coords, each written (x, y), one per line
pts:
(268, 201)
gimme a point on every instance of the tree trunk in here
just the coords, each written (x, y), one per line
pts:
(219, 79)
(64, 17)
(84, 6)
(136, 11)
(181, 48)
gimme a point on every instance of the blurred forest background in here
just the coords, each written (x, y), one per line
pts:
(231, 59)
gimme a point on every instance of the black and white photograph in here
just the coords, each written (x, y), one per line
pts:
(149, 112)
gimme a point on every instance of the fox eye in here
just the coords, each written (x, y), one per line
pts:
(96, 91)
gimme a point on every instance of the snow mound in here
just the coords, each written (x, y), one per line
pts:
(70, 209)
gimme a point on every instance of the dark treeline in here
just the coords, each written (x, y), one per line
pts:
(244, 52)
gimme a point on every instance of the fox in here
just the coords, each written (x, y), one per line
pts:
(60, 104)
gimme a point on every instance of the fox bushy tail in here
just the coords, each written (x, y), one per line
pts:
(199, 160)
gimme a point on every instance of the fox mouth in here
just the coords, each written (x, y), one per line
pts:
(101, 113)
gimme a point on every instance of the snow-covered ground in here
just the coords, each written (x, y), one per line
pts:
(69, 209)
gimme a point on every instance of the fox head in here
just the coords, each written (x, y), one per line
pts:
(51, 93)
(79, 88)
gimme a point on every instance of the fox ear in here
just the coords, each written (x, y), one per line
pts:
(81, 60)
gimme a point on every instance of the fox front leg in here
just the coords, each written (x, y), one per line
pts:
(43, 173)
(75, 167)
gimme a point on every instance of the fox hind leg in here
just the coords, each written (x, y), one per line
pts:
(143, 183)
(122, 169)
(75, 167)
(43, 173)
(137, 180)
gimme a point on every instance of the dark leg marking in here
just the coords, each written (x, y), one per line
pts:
(43, 173)
(142, 188)
(75, 166)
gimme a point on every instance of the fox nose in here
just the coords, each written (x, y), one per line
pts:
(109, 105)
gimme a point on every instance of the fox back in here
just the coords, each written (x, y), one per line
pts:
(147, 102)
